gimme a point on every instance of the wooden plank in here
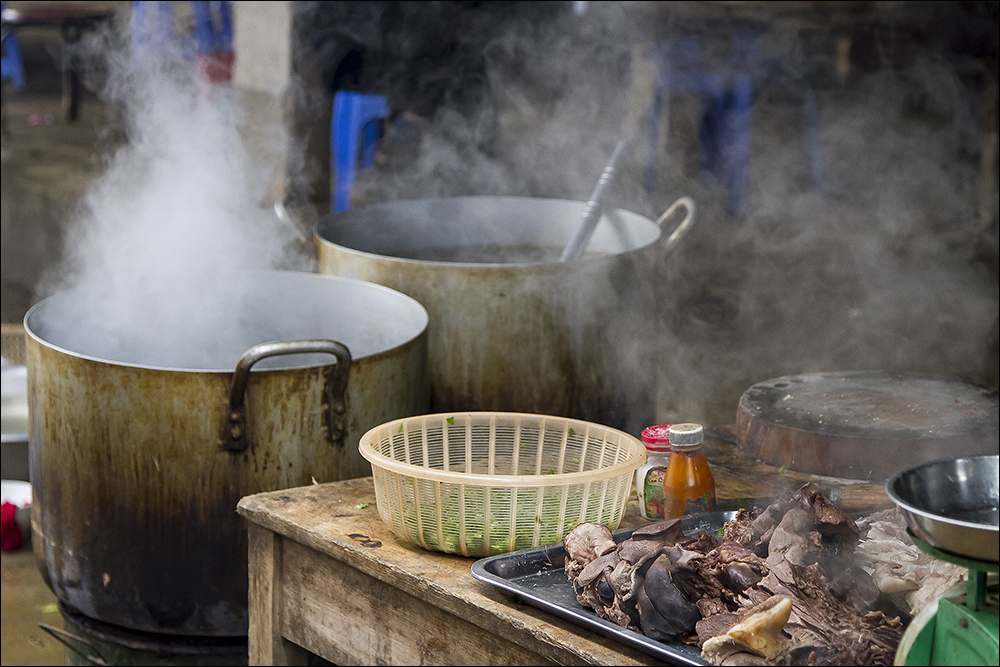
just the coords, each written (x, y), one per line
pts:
(349, 617)
(742, 481)
(333, 519)
(266, 645)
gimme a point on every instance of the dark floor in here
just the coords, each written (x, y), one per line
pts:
(27, 602)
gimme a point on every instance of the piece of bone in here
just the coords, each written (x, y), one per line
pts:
(761, 628)
(720, 648)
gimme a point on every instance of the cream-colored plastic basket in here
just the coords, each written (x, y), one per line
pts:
(484, 483)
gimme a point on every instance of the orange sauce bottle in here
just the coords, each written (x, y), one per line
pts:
(688, 487)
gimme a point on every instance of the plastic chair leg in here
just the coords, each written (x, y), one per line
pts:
(649, 176)
(13, 67)
(215, 33)
(737, 143)
(354, 114)
(812, 137)
(370, 132)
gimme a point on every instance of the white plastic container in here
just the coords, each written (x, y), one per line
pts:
(15, 423)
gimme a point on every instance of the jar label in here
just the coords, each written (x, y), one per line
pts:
(705, 503)
(653, 493)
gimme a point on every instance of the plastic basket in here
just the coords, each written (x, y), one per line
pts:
(484, 483)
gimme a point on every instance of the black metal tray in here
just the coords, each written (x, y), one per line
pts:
(536, 576)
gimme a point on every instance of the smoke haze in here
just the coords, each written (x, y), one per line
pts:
(885, 266)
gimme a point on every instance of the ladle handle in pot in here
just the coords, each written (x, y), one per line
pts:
(234, 437)
(682, 228)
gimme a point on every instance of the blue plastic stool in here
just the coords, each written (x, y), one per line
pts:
(214, 24)
(724, 130)
(153, 32)
(11, 65)
(353, 114)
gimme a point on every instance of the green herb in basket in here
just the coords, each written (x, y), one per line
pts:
(500, 524)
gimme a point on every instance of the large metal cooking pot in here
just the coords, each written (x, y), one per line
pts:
(145, 434)
(511, 327)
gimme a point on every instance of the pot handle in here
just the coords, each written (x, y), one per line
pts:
(682, 228)
(234, 436)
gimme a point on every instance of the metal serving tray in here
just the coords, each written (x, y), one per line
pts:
(536, 576)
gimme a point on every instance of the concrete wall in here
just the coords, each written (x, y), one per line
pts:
(287, 111)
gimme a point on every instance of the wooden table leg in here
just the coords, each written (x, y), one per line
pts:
(266, 645)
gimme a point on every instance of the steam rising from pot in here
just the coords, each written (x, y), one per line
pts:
(179, 213)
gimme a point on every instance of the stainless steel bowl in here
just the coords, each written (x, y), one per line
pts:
(953, 504)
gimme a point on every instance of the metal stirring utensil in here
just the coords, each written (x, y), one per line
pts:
(592, 213)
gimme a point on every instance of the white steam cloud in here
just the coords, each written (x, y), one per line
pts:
(182, 198)
(180, 212)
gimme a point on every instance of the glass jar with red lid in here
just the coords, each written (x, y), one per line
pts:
(649, 477)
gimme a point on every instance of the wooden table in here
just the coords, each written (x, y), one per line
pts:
(328, 576)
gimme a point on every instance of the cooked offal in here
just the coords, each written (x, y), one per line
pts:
(787, 584)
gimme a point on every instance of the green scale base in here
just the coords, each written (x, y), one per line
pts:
(959, 629)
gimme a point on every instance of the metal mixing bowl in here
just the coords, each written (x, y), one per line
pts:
(953, 504)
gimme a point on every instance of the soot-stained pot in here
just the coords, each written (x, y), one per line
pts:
(511, 327)
(147, 428)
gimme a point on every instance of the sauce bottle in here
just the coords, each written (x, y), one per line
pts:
(649, 477)
(688, 486)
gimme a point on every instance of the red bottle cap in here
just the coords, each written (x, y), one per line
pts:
(657, 438)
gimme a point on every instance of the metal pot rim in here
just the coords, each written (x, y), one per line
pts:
(553, 264)
(410, 303)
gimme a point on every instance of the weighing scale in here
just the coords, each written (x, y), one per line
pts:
(951, 510)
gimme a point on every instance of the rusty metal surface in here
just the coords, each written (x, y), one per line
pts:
(134, 495)
(865, 425)
(512, 328)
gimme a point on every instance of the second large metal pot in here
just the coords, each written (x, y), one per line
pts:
(152, 412)
(511, 327)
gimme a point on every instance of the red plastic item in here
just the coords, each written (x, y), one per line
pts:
(658, 436)
(215, 66)
(10, 532)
